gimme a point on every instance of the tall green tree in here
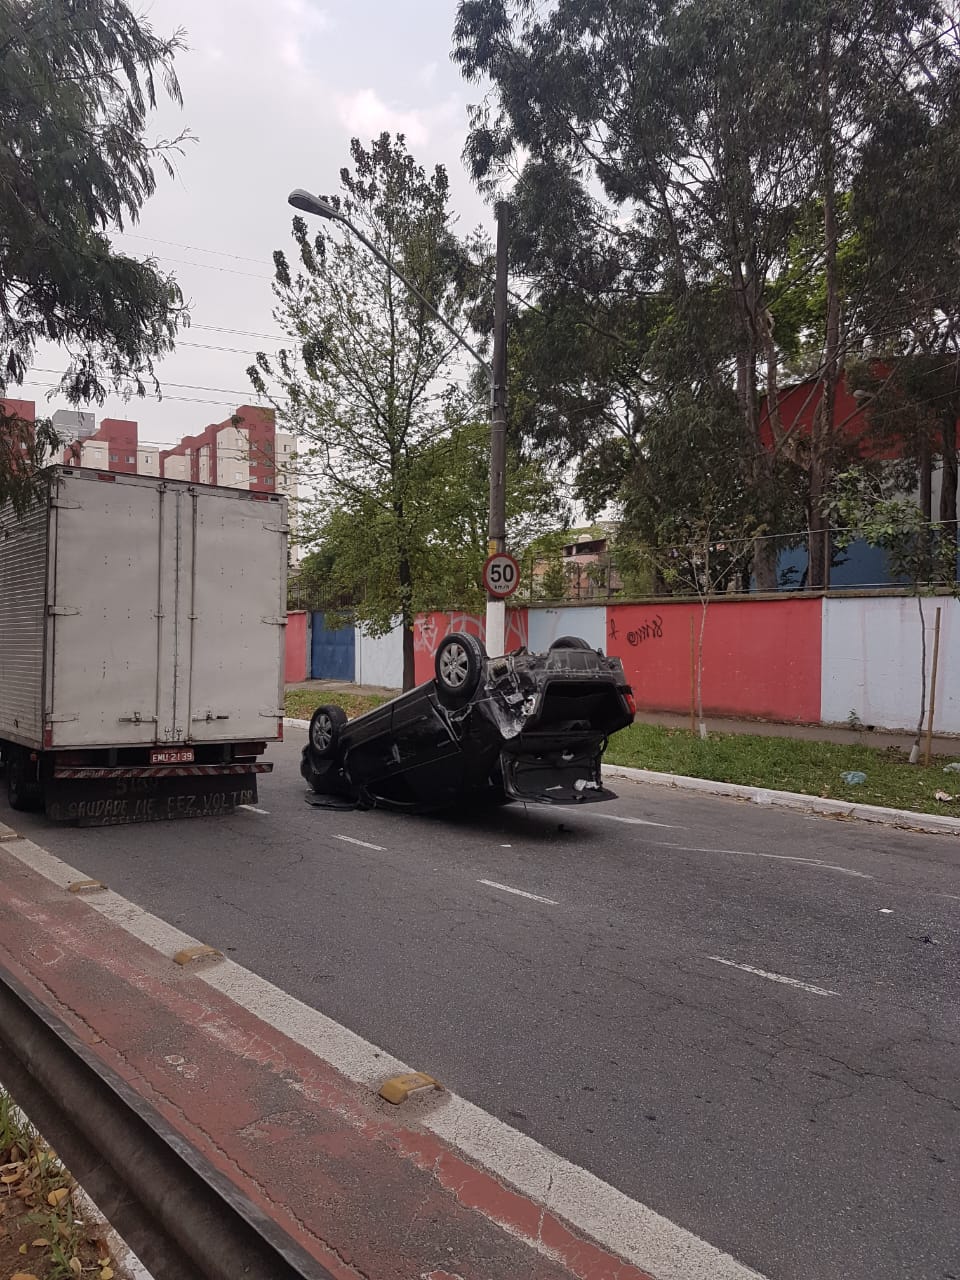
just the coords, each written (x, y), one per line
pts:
(78, 82)
(677, 150)
(355, 561)
(374, 384)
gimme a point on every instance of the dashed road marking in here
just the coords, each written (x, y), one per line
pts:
(521, 893)
(774, 857)
(775, 977)
(377, 848)
(252, 808)
(637, 822)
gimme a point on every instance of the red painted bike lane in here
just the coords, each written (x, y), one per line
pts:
(356, 1182)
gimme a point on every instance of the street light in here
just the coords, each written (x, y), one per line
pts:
(496, 376)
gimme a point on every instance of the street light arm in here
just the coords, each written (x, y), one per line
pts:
(301, 199)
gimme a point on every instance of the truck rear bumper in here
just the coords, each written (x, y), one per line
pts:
(163, 771)
(109, 797)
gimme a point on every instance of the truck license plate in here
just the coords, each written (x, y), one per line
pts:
(172, 755)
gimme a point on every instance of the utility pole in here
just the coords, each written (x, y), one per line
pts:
(497, 528)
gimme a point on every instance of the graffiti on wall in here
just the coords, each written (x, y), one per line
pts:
(648, 629)
(430, 628)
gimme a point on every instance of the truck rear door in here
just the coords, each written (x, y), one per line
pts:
(239, 554)
(111, 606)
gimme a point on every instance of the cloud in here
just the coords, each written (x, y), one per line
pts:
(365, 115)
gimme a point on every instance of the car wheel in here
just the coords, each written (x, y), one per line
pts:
(458, 666)
(326, 725)
(570, 642)
(23, 788)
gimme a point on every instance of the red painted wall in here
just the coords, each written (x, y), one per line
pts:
(430, 628)
(761, 658)
(800, 403)
(295, 654)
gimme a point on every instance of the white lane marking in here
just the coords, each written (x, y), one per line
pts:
(637, 822)
(252, 808)
(886, 911)
(377, 848)
(626, 1227)
(775, 977)
(774, 857)
(521, 893)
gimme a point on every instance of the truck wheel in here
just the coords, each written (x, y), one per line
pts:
(458, 667)
(570, 642)
(326, 725)
(23, 787)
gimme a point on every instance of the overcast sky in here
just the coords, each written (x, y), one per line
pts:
(274, 92)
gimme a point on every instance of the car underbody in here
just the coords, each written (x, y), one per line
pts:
(525, 727)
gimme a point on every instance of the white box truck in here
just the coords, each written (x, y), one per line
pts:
(141, 646)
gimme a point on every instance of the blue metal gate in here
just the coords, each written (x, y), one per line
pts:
(332, 653)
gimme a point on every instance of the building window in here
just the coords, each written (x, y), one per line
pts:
(237, 477)
(114, 457)
(131, 460)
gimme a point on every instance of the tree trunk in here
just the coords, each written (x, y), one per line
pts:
(409, 673)
(406, 621)
(926, 478)
(948, 485)
(702, 724)
(818, 574)
(915, 749)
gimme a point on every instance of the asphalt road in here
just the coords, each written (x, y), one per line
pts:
(635, 1020)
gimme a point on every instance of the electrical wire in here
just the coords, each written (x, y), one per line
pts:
(195, 248)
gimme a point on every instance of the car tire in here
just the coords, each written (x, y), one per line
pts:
(571, 642)
(326, 726)
(458, 666)
(24, 793)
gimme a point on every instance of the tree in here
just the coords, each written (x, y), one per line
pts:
(370, 384)
(919, 552)
(677, 150)
(77, 83)
(355, 563)
(692, 532)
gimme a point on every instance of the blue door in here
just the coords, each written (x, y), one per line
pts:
(332, 653)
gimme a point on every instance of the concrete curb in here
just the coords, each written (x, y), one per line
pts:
(928, 822)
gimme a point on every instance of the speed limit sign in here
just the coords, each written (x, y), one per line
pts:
(501, 575)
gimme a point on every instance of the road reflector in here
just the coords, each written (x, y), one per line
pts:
(85, 886)
(399, 1088)
(201, 952)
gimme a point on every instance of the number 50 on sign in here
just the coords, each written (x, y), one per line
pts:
(501, 575)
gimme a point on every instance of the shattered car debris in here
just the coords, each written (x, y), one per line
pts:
(527, 726)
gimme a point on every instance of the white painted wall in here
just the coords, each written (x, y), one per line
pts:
(871, 661)
(546, 625)
(379, 659)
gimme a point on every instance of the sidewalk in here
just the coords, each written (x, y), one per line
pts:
(943, 744)
(365, 1188)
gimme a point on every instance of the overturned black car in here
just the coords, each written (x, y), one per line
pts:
(527, 726)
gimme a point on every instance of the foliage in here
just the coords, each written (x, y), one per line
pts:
(704, 206)
(917, 550)
(355, 561)
(398, 458)
(77, 84)
(362, 382)
(41, 1221)
(785, 764)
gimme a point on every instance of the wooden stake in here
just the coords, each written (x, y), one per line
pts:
(693, 678)
(933, 687)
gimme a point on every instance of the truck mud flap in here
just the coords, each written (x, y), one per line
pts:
(117, 801)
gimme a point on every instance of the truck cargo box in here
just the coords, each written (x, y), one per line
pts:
(141, 635)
